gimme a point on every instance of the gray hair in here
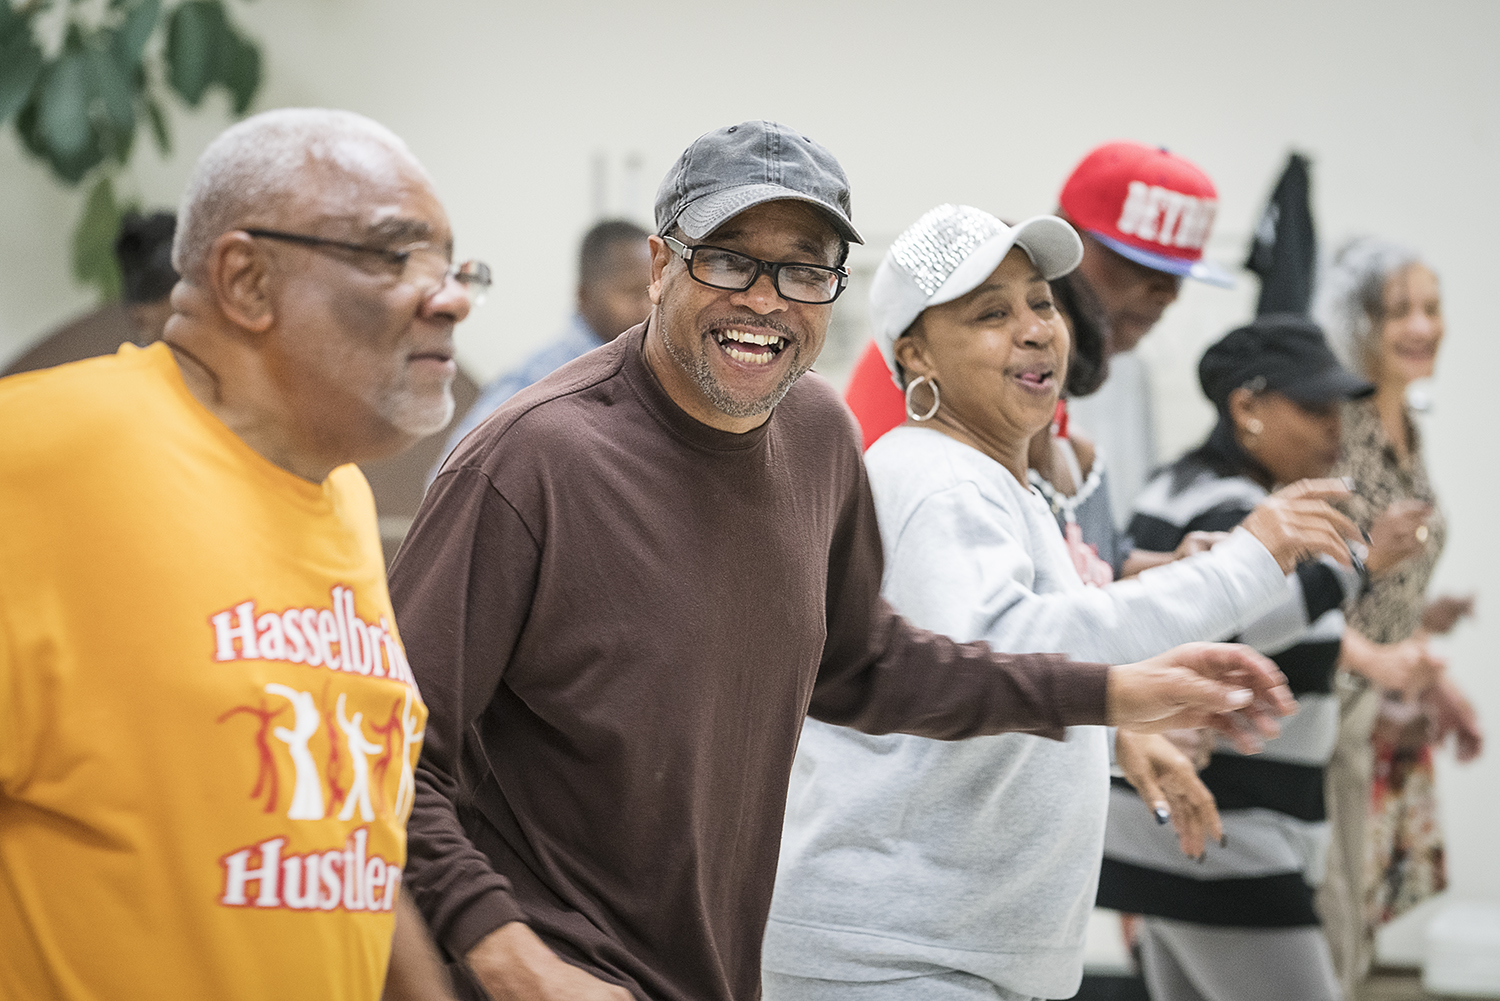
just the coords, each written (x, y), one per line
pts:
(1350, 303)
(258, 162)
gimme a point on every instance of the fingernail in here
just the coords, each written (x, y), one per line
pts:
(1162, 814)
(1240, 697)
(1348, 482)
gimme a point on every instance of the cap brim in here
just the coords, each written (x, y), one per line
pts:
(1203, 271)
(702, 216)
(1051, 243)
(1335, 383)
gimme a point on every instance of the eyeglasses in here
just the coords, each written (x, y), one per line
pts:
(736, 272)
(421, 264)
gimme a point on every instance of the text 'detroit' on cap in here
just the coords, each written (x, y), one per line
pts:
(1148, 205)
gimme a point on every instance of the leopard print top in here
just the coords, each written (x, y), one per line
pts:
(1390, 610)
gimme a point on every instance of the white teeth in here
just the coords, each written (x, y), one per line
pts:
(746, 337)
(747, 357)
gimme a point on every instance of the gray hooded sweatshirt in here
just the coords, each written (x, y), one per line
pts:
(902, 853)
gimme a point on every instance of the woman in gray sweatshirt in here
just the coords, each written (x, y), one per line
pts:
(922, 869)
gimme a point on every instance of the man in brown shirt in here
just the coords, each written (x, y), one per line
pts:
(627, 588)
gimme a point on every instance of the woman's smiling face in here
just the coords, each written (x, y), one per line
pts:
(998, 354)
(1411, 326)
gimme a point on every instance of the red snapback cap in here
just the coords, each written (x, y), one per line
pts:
(1146, 204)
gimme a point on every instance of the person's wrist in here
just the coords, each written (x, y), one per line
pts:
(508, 958)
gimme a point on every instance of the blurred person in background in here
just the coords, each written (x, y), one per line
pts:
(144, 251)
(1383, 309)
(631, 585)
(918, 869)
(1239, 924)
(198, 654)
(614, 270)
(1146, 215)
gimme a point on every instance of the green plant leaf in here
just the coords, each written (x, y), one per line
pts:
(133, 33)
(239, 71)
(69, 169)
(94, 241)
(195, 34)
(113, 86)
(159, 129)
(20, 66)
(64, 104)
(13, 21)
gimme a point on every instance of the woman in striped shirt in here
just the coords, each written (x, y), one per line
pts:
(1240, 924)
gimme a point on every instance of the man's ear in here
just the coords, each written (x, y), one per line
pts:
(240, 283)
(661, 256)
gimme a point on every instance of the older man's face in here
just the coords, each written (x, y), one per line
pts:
(708, 345)
(1134, 296)
(366, 344)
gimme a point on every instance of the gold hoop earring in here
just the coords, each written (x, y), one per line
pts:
(1253, 426)
(910, 410)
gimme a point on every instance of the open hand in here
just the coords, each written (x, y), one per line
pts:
(1398, 534)
(1194, 543)
(1443, 612)
(1297, 522)
(1170, 787)
(1453, 713)
(1225, 686)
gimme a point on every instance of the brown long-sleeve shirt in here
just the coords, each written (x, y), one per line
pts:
(619, 617)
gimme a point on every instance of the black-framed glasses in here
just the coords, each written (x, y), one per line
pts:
(735, 272)
(421, 264)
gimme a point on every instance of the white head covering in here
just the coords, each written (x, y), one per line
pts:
(948, 253)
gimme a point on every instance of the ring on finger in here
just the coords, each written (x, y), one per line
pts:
(1422, 533)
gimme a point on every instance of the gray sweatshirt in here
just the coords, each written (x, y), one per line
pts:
(982, 855)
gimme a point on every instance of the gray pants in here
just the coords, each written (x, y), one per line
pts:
(941, 985)
(1191, 962)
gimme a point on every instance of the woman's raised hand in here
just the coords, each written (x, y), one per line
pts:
(1297, 522)
(1443, 612)
(1397, 535)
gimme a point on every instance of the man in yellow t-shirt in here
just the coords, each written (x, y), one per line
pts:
(208, 725)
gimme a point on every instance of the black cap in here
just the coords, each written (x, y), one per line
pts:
(1279, 352)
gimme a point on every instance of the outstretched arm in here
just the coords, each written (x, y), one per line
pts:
(882, 674)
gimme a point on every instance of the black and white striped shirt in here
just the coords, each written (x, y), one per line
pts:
(1271, 803)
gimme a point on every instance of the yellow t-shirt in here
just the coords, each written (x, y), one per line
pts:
(207, 722)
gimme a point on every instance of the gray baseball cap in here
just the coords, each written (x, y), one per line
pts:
(728, 170)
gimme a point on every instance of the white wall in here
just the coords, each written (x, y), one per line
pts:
(511, 105)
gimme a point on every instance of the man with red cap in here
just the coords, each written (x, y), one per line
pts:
(1145, 215)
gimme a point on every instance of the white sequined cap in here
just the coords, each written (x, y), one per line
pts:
(936, 244)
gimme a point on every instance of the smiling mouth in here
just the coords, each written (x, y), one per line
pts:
(748, 346)
(1036, 380)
